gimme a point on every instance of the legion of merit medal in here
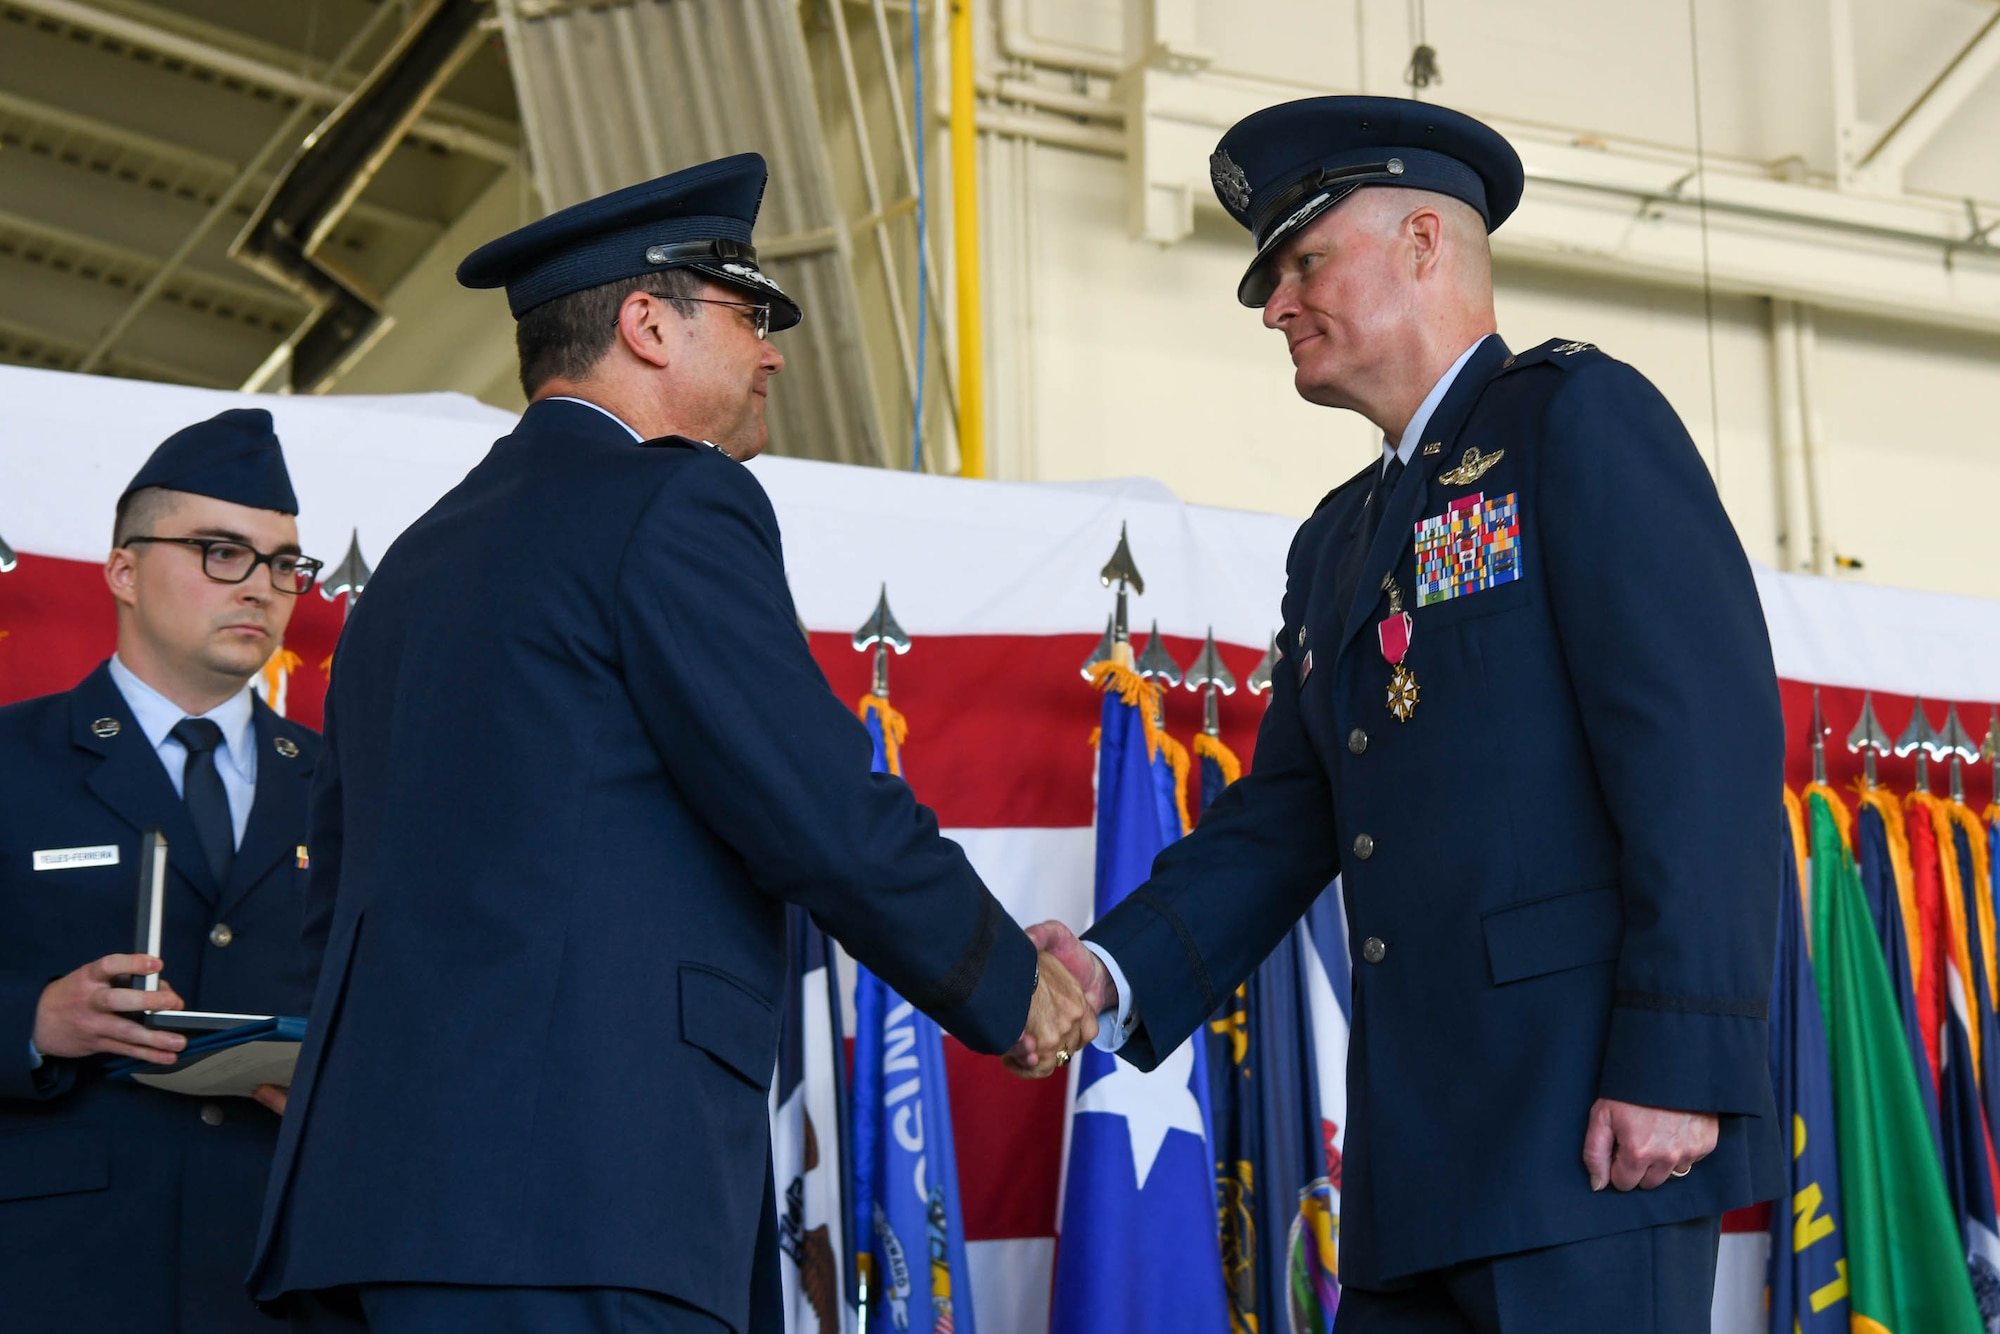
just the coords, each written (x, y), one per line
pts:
(1392, 632)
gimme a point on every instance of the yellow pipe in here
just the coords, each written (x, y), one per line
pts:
(965, 248)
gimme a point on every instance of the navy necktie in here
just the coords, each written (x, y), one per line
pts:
(207, 801)
(1378, 501)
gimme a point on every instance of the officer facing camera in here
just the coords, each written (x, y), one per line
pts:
(1497, 639)
(124, 1206)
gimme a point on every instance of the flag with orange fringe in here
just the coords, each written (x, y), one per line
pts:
(1905, 1266)
(1882, 855)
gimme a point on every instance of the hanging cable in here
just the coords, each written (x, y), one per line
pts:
(1701, 209)
(922, 193)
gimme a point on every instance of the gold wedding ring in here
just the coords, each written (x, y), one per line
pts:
(1062, 1058)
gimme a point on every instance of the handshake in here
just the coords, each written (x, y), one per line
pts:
(1073, 989)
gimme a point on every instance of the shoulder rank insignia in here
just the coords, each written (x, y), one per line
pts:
(1471, 468)
(1571, 349)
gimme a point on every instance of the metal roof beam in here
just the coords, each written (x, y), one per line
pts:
(252, 70)
(216, 171)
(1934, 107)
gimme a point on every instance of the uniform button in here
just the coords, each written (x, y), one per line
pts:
(1364, 846)
(1357, 741)
(211, 1113)
(1373, 950)
(220, 935)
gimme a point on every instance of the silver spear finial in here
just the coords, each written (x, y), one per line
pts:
(1260, 675)
(1868, 738)
(1919, 739)
(1957, 744)
(348, 577)
(1213, 679)
(1121, 570)
(881, 633)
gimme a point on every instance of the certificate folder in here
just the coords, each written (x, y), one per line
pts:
(229, 1062)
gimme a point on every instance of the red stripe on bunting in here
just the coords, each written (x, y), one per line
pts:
(999, 724)
(57, 622)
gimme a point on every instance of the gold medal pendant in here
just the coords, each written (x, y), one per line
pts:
(1402, 693)
(1393, 634)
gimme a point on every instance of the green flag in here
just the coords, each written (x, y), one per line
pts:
(1905, 1261)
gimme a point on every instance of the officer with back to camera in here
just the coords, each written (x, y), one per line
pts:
(578, 761)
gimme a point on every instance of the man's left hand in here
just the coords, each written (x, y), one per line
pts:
(273, 1097)
(1628, 1145)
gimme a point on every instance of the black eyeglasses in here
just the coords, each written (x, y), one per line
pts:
(227, 561)
(760, 311)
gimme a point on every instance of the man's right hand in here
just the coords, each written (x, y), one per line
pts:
(1061, 1023)
(1089, 971)
(84, 1013)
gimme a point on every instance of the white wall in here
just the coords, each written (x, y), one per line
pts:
(1113, 356)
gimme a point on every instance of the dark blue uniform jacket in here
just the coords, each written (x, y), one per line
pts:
(123, 1207)
(1566, 860)
(579, 759)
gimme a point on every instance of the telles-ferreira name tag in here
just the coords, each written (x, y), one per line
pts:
(67, 859)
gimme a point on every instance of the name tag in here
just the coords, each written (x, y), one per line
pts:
(64, 859)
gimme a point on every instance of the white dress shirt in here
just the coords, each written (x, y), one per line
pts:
(1113, 1028)
(235, 758)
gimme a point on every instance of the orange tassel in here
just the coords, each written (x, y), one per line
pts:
(1211, 748)
(1939, 813)
(1147, 698)
(1795, 819)
(1885, 804)
(277, 674)
(1981, 890)
(895, 729)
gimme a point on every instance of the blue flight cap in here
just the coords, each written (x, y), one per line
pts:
(1280, 168)
(233, 456)
(695, 219)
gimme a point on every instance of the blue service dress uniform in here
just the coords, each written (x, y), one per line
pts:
(578, 761)
(1560, 872)
(125, 1207)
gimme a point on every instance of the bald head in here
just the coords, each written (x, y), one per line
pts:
(1377, 298)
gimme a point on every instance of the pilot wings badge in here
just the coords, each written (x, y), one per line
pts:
(1230, 183)
(1471, 468)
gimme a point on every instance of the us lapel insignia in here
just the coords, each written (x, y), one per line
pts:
(1471, 468)
(1433, 447)
(105, 728)
(286, 747)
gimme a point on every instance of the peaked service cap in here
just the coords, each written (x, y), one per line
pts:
(233, 456)
(1280, 168)
(697, 219)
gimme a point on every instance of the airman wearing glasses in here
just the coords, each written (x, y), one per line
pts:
(123, 1206)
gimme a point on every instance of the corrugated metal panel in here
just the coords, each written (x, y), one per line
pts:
(612, 94)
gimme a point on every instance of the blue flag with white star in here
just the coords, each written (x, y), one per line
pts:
(1138, 1248)
(909, 1237)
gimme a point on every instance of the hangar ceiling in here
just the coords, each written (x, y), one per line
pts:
(137, 139)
